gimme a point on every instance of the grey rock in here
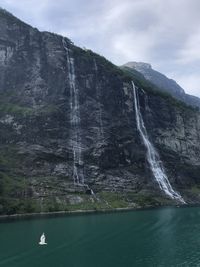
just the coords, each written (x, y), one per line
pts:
(36, 133)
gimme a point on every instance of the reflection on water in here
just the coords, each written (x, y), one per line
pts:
(162, 237)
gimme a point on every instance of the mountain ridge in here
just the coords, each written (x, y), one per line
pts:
(163, 82)
(65, 110)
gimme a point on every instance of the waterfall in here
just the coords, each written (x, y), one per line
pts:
(99, 106)
(152, 155)
(78, 175)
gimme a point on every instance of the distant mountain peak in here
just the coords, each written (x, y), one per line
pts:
(163, 83)
(138, 65)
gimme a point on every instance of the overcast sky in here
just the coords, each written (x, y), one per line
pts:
(163, 33)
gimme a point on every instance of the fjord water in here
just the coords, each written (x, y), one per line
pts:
(160, 237)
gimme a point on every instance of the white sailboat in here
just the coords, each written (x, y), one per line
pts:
(42, 240)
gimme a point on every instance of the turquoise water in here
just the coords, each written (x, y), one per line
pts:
(162, 237)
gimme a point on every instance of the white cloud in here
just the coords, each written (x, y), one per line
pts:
(191, 81)
(163, 33)
(191, 49)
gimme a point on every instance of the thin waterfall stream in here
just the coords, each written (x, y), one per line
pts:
(78, 175)
(152, 155)
(76, 144)
(100, 134)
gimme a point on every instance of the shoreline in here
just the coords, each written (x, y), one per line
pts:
(72, 212)
(84, 212)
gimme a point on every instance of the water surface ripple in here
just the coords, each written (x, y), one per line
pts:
(161, 237)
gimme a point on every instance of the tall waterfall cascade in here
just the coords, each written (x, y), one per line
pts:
(100, 134)
(78, 175)
(152, 155)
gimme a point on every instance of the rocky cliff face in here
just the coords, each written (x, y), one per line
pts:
(68, 129)
(163, 83)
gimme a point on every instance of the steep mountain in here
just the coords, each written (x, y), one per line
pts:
(69, 138)
(163, 83)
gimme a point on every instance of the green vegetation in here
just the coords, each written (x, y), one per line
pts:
(102, 201)
(12, 186)
(114, 200)
(12, 195)
(13, 109)
(195, 190)
(145, 200)
(10, 105)
(8, 108)
(49, 109)
(9, 157)
(17, 206)
(127, 74)
(88, 56)
(150, 88)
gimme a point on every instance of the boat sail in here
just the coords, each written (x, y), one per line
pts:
(42, 240)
